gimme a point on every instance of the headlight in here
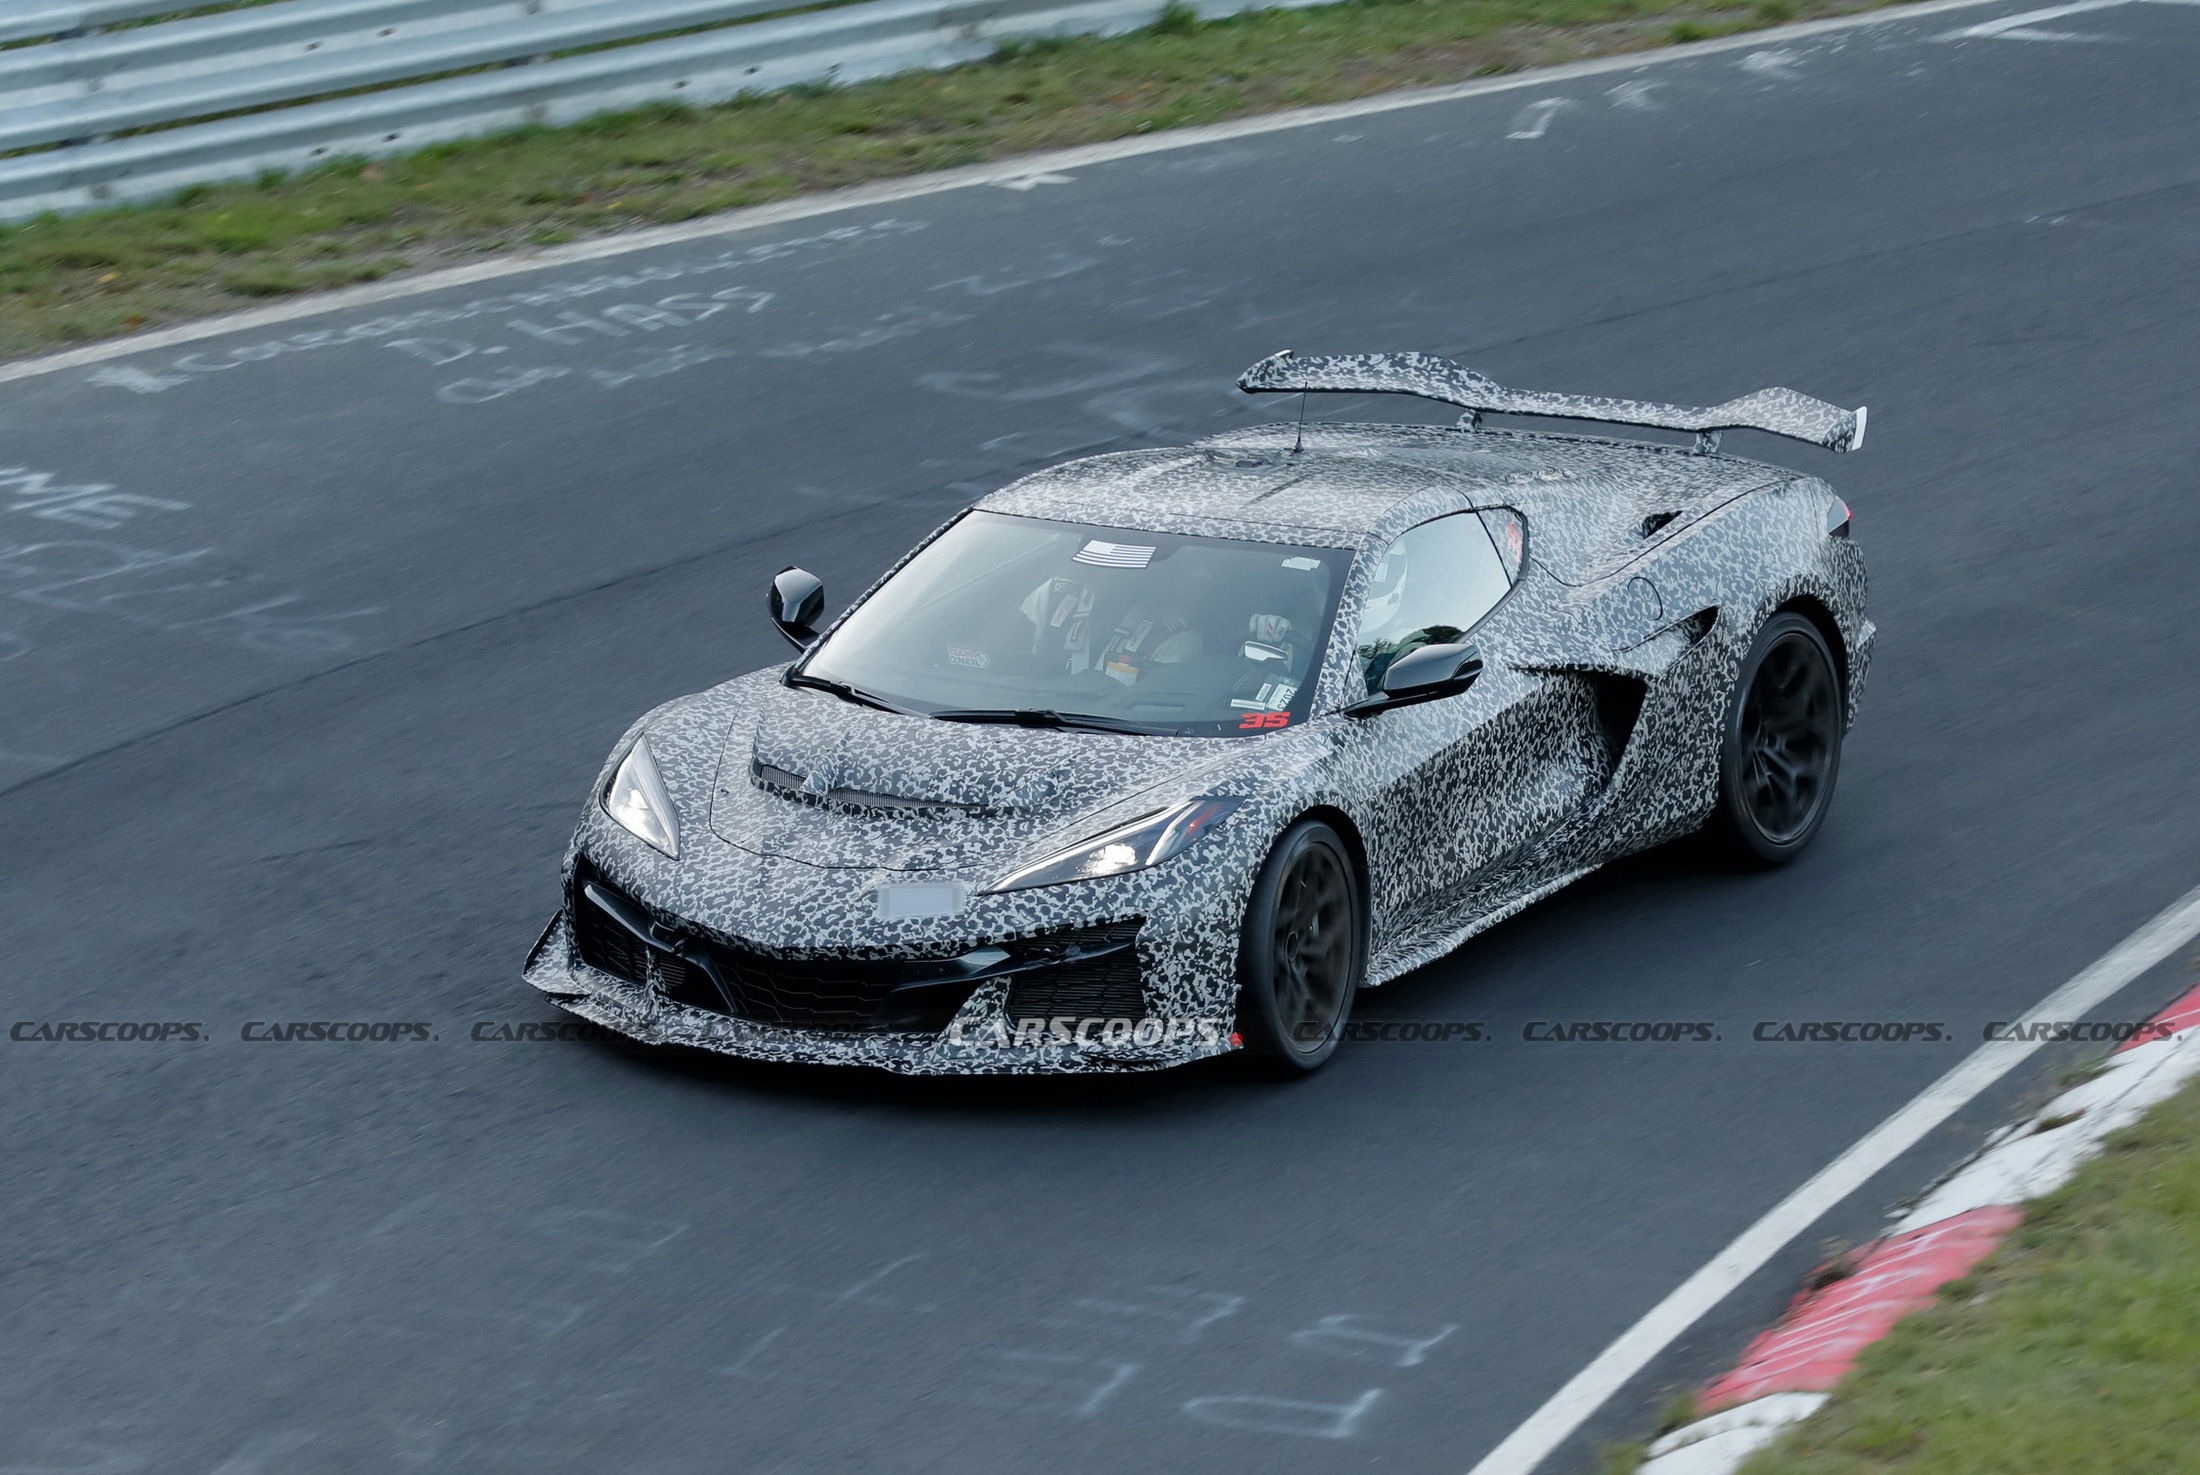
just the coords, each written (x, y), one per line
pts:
(1133, 847)
(638, 801)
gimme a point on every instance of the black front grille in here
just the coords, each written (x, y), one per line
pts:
(1089, 971)
(1083, 986)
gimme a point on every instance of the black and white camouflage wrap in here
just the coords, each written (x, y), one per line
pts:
(1776, 411)
(1467, 809)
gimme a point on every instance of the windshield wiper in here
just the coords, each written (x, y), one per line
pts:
(845, 692)
(1046, 717)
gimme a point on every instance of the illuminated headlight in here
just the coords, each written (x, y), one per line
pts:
(638, 801)
(1133, 847)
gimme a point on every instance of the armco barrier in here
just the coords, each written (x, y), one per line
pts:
(215, 64)
(28, 20)
(66, 97)
(294, 31)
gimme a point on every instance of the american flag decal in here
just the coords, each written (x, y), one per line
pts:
(1115, 555)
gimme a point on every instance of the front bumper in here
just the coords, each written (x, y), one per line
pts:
(992, 1032)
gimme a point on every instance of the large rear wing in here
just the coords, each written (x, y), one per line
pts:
(1779, 411)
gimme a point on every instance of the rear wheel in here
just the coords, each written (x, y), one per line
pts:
(1303, 954)
(1781, 747)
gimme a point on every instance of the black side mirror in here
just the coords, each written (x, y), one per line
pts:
(1422, 675)
(797, 603)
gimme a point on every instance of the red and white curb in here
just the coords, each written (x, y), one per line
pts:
(1788, 1372)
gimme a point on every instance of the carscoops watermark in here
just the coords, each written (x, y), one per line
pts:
(107, 1031)
(1073, 1030)
(1618, 1031)
(2089, 1030)
(1851, 1031)
(1403, 1032)
(299, 1031)
(536, 1030)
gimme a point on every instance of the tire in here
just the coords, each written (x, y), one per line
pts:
(1780, 746)
(1303, 954)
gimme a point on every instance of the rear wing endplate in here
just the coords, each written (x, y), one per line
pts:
(1778, 411)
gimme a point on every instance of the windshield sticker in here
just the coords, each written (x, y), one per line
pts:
(1302, 563)
(963, 655)
(1264, 719)
(1115, 555)
(1272, 697)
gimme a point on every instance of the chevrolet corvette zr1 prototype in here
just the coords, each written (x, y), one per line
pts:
(1162, 754)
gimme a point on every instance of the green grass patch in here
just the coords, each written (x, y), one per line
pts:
(2073, 1350)
(214, 248)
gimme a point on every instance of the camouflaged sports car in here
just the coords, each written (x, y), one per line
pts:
(1166, 753)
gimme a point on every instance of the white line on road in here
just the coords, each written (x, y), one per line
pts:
(2021, 27)
(1003, 171)
(1567, 1409)
(1535, 119)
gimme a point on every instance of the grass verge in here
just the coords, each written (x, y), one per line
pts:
(2073, 1350)
(211, 249)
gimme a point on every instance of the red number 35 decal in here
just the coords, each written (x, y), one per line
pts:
(1266, 719)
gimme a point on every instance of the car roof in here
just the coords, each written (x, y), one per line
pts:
(1350, 485)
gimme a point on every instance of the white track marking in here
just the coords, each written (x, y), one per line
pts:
(1584, 1393)
(1534, 120)
(1776, 64)
(2019, 27)
(2032, 1159)
(1723, 1440)
(886, 191)
(2022, 27)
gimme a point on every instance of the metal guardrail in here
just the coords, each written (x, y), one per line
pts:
(191, 68)
(297, 31)
(65, 98)
(26, 20)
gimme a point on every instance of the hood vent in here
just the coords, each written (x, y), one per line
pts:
(788, 784)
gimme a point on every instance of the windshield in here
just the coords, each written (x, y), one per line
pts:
(1015, 618)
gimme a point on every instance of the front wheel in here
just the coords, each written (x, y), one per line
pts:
(1303, 954)
(1780, 749)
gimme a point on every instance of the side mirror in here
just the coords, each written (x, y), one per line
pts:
(797, 603)
(1422, 675)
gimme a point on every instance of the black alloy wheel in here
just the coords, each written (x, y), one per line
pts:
(1781, 748)
(1304, 951)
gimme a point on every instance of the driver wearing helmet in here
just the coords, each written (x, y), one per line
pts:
(1386, 631)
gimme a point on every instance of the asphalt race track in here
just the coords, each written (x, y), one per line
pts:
(313, 647)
